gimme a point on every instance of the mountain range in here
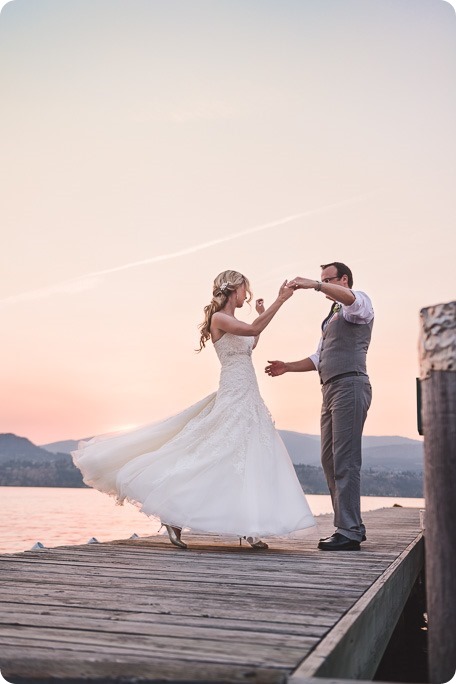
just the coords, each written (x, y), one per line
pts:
(23, 464)
(391, 453)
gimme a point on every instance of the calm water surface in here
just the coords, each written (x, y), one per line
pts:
(60, 516)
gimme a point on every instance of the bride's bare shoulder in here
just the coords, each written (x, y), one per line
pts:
(220, 316)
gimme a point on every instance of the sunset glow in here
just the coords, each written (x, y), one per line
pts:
(148, 146)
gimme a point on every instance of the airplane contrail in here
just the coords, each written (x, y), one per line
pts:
(90, 280)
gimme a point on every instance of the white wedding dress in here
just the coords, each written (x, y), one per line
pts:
(219, 466)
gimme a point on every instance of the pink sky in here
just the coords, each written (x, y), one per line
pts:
(148, 146)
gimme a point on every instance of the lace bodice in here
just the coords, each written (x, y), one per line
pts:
(237, 376)
(232, 345)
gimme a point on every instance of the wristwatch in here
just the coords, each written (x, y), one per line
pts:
(318, 286)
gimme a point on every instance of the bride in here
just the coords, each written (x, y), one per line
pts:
(218, 466)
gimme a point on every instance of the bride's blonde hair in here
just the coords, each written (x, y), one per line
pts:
(225, 284)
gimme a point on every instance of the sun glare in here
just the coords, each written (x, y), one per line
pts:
(125, 428)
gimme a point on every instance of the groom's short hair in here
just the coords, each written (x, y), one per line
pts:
(342, 269)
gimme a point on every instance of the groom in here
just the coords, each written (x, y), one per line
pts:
(341, 363)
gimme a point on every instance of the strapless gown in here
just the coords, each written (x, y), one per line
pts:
(218, 466)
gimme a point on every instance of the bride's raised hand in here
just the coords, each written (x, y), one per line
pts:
(259, 306)
(285, 292)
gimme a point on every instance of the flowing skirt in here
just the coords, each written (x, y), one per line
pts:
(207, 469)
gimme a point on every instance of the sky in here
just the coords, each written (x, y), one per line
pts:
(147, 146)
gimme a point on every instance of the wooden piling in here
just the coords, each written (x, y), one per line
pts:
(437, 347)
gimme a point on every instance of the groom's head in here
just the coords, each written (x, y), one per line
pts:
(338, 273)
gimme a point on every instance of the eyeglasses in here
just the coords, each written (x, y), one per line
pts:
(328, 280)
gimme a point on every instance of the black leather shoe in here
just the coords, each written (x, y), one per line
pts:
(338, 542)
(363, 538)
(327, 538)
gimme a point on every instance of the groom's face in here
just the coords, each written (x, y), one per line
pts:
(329, 275)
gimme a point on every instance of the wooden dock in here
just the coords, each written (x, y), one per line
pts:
(143, 610)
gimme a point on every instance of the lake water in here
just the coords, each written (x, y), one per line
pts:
(60, 516)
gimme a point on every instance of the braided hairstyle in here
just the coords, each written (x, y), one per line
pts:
(225, 284)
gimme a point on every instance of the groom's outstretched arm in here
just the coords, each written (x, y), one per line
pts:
(280, 367)
(338, 293)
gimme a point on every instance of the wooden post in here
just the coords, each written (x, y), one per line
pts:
(437, 347)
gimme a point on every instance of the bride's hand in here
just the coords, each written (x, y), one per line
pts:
(259, 306)
(285, 292)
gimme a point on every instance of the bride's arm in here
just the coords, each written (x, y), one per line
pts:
(259, 306)
(226, 323)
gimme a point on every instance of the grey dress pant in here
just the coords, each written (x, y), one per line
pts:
(344, 410)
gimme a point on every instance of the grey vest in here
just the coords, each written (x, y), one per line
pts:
(344, 347)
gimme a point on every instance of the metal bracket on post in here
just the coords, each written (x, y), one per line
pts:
(419, 416)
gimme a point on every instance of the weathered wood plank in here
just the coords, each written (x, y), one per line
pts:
(101, 619)
(217, 632)
(233, 650)
(70, 669)
(290, 620)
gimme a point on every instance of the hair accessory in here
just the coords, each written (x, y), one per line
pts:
(222, 290)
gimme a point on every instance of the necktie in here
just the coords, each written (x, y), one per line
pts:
(334, 308)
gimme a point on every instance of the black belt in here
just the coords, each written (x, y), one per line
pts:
(350, 374)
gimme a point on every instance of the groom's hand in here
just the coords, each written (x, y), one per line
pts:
(275, 368)
(302, 283)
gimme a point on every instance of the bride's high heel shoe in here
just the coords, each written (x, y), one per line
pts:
(173, 538)
(254, 544)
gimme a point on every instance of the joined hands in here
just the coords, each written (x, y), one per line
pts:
(286, 291)
(302, 283)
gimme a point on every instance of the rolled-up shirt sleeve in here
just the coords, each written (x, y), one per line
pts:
(361, 311)
(315, 358)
